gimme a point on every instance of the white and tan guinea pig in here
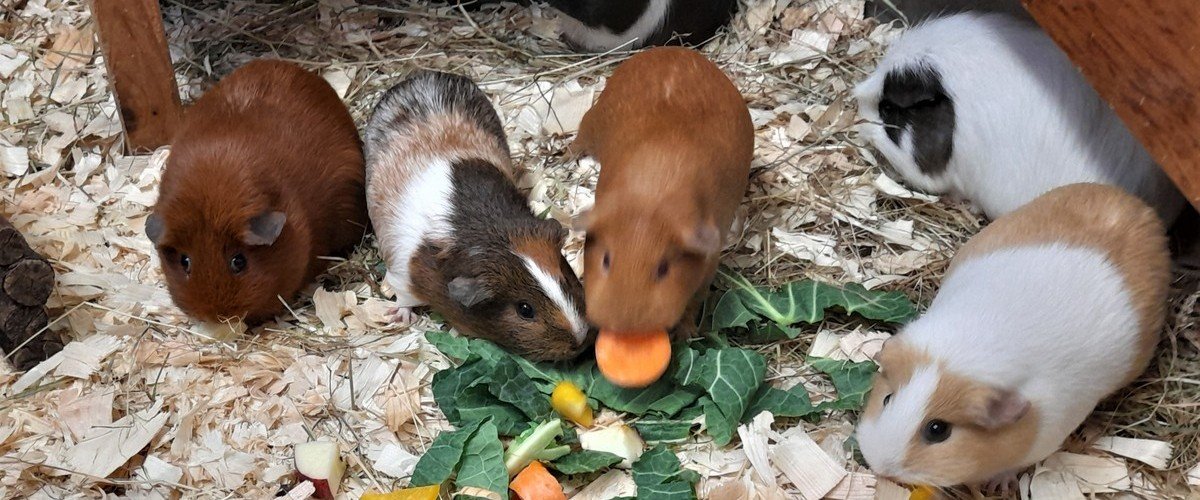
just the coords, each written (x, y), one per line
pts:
(1041, 315)
(454, 230)
(987, 108)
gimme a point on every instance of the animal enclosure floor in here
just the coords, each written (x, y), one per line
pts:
(144, 404)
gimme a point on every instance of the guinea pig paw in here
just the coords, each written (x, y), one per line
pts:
(402, 315)
(1003, 485)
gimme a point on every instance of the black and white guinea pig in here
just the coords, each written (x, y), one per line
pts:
(987, 108)
(601, 25)
(1044, 313)
(453, 229)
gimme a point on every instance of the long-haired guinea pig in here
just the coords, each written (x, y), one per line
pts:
(987, 108)
(453, 228)
(1041, 315)
(265, 176)
(601, 25)
(674, 141)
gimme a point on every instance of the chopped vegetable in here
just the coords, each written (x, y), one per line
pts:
(570, 402)
(535, 444)
(536, 483)
(320, 463)
(419, 493)
(619, 440)
(921, 493)
(633, 360)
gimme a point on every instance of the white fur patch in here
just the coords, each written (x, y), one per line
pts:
(885, 441)
(421, 213)
(555, 292)
(601, 39)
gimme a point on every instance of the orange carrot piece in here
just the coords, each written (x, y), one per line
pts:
(536, 483)
(633, 360)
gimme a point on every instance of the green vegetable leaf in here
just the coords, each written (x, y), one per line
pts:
(852, 381)
(729, 378)
(483, 462)
(659, 475)
(803, 301)
(663, 431)
(892, 307)
(585, 462)
(441, 460)
(790, 403)
(513, 386)
(450, 345)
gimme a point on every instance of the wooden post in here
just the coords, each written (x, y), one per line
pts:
(1144, 59)
(139, 70)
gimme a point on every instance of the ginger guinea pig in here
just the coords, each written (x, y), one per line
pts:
(1041, 315)
(454, 230)
(265, 176)
(986, 107)
(674, 141)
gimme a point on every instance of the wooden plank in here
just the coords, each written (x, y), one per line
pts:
(139, 70)
(1143, 57)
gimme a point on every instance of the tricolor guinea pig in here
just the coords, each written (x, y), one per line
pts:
(265, 176)
(987, 108)
(1041, 315)
(454, 230)
(674, 141)
(602, 25)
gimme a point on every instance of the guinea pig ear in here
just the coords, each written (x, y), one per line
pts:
(155, 228)
(264, 228)
(702, 239)
(468, 291)
(999, 408)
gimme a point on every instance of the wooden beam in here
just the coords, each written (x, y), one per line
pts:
(139, 70)
(1144, 59)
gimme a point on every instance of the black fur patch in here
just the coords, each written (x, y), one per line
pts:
(688, 21)
(913, 98)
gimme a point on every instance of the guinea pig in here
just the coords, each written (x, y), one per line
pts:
(454, 230)
(602, 25)
(985, 107)
(674, 141)
(1041, 315)
(265, 176)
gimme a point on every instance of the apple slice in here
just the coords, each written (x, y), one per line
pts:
(320, 463)
(619, 440)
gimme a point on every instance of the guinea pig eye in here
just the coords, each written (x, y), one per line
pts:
(525, 310)
(663, 268)
(186, 263)
(887, 399)
(237, 264)
(606, 262)
(936, 431)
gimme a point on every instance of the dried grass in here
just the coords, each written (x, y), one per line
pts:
(818, 208)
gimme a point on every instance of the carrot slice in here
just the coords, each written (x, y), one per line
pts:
(633, 360)
(536, 483)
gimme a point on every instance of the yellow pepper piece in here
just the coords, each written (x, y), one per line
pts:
(921, 493)
(420, 493)
(571, 403)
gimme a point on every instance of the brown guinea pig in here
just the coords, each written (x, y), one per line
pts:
(674, 141)
(264, 177)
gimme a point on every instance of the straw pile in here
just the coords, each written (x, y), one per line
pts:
(141, 403)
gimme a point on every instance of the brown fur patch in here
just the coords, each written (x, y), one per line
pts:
(972, 454)
(1101, 217)
(897, 362)
(542, 252)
